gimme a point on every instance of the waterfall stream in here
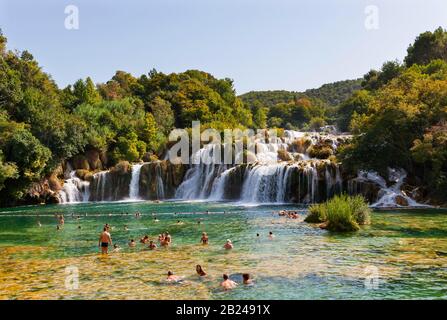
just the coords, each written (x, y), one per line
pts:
(264, 177)
(134, 186)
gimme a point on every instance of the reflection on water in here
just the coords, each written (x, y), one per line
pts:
(302, 262)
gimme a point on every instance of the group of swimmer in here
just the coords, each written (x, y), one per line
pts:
(289, 214)
(227, 283)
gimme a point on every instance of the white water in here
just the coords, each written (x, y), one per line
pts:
(74, 190)
(388, 195)
(134, 185)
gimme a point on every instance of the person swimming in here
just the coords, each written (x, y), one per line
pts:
(228, 245)
(144, 239)
(126, 228)
(116, 248)
(152, 245)
(155, 219)
(173, 278)
(200, 270)
(132, 243)
(271, 235)
(228, 284)
(105, 240)
(58, 227)
(204, 238)
(246, 278)
(179, 222)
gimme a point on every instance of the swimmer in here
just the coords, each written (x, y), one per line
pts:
(171, 277)
(104, 241)
(271, 235)
(200, 270)
(155, 219)
(152, 245)
(204, 238)
(228, 284)
(132, 243)
(246, 278)
(228, 245)
(126, 228)
(116, 248)
(145, 239)
(179, 222)
(161, 238)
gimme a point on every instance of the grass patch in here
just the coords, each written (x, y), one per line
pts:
(340, 214)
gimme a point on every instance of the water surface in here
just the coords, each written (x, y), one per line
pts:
(407, 248)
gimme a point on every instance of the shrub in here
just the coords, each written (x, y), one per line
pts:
(341, 213)
(317, 214)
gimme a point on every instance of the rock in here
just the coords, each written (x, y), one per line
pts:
(400, 200)
(283, 155)
(93, 158)
(80, 162)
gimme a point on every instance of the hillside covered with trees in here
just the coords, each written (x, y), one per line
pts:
(398, 115)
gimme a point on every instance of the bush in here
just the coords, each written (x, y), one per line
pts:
(317, 214)
(340, 214)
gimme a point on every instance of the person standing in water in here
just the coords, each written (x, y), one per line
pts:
(204, 238)
(228, 284)
(200, 271)
(104, 241)
(228, 245)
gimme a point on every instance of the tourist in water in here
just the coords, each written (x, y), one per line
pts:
(132, 243)
(200, 270)
(161, 238)
(271, 235)
(58, 227)
(155, 219)
(246, 278)
(104, 241)
(152, 245)
(144, 239)
(116, 248)
(107, 227)
(126, 228)
(179, 222)
(61, 220)
(228, 284)
(79, 227)
(204, 238)
(173, 278)
(228, 245)
(167, 239)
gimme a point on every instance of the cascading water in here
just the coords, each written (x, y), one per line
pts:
(74, 190)
(134, 186)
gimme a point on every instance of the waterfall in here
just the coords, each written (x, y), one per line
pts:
(199, 179)
(266, 183)
(159, 180)
(101, 182)
(134, 186)
(74, 190)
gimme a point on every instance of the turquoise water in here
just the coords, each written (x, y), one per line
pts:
(407, 248)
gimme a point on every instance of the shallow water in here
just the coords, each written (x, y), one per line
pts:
(408, 248)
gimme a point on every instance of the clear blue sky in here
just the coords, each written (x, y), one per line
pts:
(261, 44)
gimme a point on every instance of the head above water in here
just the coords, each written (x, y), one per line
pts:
(170, 273)
(246, 276)
(225, 276)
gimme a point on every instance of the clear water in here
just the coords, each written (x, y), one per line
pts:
(409, 248)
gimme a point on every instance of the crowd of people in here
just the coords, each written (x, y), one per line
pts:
(164, 240)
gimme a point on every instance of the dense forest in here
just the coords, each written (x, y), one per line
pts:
(307, 110)
(398, 114)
